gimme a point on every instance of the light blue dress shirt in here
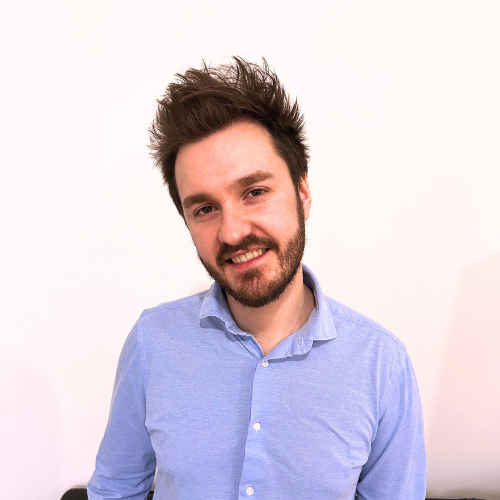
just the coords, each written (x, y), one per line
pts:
(331, 412)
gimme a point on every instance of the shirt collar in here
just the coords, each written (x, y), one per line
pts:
(320, 325)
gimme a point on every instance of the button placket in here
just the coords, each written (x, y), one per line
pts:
(253, 472)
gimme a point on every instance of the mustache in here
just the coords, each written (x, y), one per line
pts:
(251, 239)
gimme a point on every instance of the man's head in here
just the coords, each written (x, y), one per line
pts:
(201, 102)
(244, 213)
(232, 152)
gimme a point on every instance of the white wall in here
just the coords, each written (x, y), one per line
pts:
(403, 107)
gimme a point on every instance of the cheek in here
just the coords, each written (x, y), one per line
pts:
(280, 219)
(205, 242)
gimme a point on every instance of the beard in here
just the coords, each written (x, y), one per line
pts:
(253, 288)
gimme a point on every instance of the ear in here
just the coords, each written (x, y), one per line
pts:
(305, 196)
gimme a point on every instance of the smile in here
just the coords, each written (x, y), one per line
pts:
(238, 259)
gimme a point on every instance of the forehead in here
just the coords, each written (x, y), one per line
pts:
(225, 156)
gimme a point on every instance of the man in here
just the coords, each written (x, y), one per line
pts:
(262, 386)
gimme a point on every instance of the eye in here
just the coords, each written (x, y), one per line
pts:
(256, 192)
(204, 210)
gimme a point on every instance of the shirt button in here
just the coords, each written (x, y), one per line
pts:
(256, 426)
(265, 363)
(249, 491)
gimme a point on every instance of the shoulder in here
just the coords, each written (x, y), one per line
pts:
(167, 320)
(350, 325)
(350, 321)
(368, 342)
(380, 356)
(173, 308)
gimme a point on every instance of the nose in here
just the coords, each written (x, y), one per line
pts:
(234, 226)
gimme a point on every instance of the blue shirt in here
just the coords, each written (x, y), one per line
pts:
(331, 411)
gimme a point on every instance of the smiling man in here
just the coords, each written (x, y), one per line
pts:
(247, 220)
(261, 387)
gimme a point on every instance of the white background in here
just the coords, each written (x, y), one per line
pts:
(403, 114)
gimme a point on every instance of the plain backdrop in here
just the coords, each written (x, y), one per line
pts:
(403, 117)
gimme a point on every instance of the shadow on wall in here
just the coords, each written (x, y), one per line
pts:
(30, 437)
(463, 444)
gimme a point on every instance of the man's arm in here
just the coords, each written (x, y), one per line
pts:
(126, 462)
(396, 466)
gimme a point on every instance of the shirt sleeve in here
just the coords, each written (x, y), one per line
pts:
(396, 467)
(126, 462)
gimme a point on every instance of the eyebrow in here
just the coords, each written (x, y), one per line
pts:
(248, 180)
(240, 183)
(189, 201)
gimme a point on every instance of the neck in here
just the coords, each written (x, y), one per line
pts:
(272, 323)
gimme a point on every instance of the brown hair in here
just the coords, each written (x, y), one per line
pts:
(201, 102)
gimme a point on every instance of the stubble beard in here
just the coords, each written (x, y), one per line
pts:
(253, 288)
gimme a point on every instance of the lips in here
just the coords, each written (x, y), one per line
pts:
(244, 251)
(247, 256)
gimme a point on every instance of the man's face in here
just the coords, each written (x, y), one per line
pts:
(245, 215)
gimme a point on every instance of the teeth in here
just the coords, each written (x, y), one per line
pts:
(247, 256)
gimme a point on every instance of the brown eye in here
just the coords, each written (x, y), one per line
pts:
(205, 210)
(256, 192)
